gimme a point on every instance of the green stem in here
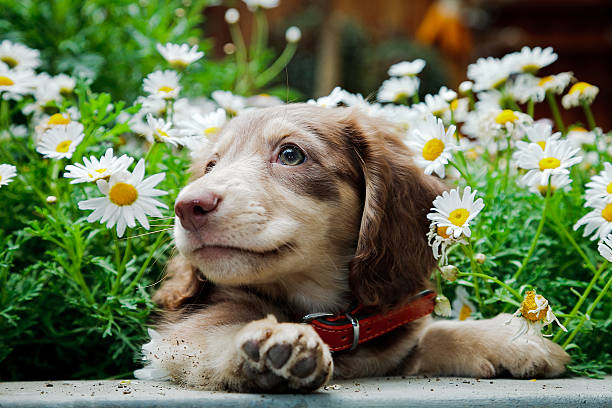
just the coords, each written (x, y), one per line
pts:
(277, 66)
(494, 279)
(4, 113)
(508, 158)
(261, 33)
(415, 97)
(144, 266)
(589, 312)
(589, 115)
(242, 71)
(464, 173)
(469, 251)
(121, 267)
(562, 230)
(537, 234)
(582, 298)
(554, 108)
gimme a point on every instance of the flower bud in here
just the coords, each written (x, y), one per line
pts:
(465, 87)
(51, 199)
(442, 307)
(449, 272)
(232, 16)
(480, 258)
(293, 34)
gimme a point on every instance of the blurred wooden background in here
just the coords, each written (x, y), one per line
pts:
(580, 31)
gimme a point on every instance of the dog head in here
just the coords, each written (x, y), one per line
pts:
(326, 203)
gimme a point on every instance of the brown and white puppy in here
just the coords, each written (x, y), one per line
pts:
(301, 209)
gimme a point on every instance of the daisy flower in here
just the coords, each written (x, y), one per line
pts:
(578, 93)
(406, 68)
(433, 146)
(398, 89)
(605, 248)
(7, 172)
(600, 186)
(463, 309)
(524, 88)
(579, 136)
(534, 313)
(95, 169)
(14, 84)
(232, 104)
(57, 119)
(435, 104)
(18, 56)
(556, 158)
(530, 60)
(598, 221)
(555, 83)
(263, 101)
(179, 56)
(127, 197)
(488, 73)
(163, 132)
(460, 108)
(330, 101)
(152, 104)
(207, 126)
(254, 4)
(65, 83)
(540, 133)
(455, 212)
(163, 84)
(557, 182)
(60, 141)
(439, 240)
(512, 122)
(442, 306)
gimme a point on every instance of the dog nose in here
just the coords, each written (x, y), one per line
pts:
(193, 212)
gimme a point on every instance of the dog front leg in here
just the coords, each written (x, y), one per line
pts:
(483, 349)
(258, 356)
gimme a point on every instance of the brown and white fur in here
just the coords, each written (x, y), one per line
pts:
(261, 243)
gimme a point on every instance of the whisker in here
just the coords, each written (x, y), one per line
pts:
(146, 233)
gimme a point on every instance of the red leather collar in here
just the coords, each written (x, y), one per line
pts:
(346, 330)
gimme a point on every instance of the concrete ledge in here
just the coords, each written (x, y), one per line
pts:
(371, 392)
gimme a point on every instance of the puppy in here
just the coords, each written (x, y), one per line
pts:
(296, 210)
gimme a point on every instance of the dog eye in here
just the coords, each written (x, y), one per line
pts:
(291, 155)
(209, 166)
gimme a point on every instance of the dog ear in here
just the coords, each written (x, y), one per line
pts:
(393, 259)
(182, 285)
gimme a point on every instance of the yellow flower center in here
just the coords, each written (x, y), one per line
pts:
(179, 64)
(123, 194)
(58, 119)
(432, 149)
(211, 130)
(400, 96)
(506, 116)
(63, 146)
(6, 81)
(454, 104)
(542, 144)
(161, 133)
(99, 171)
(549, 163)
(465, 312)
(531, 68)
(545, 80)
(499, 83)
(607, 213)
(544, 189)
(578, 129)
(579, 87)
(11, 62)
(529, 304)
(165, 88)
(442, 232)
(264, 95)
(609, 189)
(459, 216)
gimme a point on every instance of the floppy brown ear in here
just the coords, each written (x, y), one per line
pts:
(393, 260)
(182, 285)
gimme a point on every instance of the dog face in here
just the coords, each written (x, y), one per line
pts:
(300, 193)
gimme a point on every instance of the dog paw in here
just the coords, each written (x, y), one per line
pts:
(280, 357)
(530, 355)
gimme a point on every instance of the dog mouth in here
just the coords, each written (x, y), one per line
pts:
(217, 251)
